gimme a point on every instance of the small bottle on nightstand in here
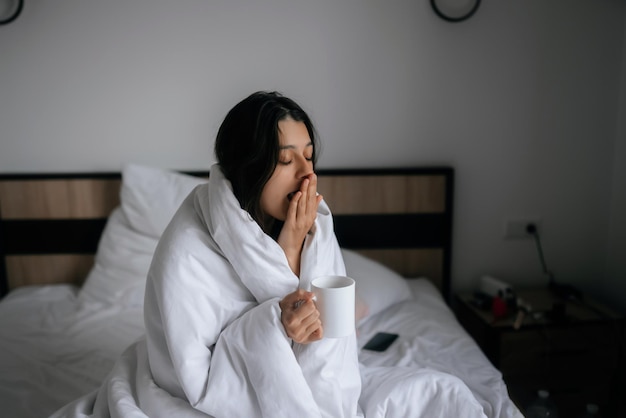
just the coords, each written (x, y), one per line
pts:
(542, 407)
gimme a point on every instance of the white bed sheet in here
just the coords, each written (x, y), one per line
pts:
(55, 347)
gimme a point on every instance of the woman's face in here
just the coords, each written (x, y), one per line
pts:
(295, 162)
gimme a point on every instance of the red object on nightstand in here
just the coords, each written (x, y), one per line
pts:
(498, 307)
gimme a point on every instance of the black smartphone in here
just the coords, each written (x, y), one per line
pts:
(380, 342)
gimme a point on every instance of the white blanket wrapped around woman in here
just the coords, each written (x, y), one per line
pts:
(213, 322)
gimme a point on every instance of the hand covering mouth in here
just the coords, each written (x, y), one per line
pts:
(290, 195)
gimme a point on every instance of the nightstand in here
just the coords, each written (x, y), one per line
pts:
(573, 349)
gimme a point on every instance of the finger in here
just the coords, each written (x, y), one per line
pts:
(310, 332)
(312, 187)
(306, 307)
(313, 332)
(317, 334)
(292, 210)
(300, 297)
(289, 301)
(314, 197)
(304, 188)
(306, 332)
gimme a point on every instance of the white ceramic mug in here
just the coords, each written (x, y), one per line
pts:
(335, 300)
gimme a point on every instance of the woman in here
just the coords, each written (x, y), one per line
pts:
(266, 149)
(226, 327)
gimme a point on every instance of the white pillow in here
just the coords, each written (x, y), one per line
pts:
(151, 196)
(149, 199)
(376, 285)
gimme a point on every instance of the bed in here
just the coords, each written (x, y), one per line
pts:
(75, 250)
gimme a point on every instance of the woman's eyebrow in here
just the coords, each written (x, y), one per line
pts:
(310, 144)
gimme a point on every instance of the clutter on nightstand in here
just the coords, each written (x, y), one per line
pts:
(496, 296)
(571, 348)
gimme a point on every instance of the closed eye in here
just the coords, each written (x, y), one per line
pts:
(287, 162)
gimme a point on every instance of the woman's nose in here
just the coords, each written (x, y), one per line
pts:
(305, 167)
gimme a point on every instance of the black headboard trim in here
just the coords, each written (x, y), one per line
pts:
(392, 231)
(51, 236)
(81, 236)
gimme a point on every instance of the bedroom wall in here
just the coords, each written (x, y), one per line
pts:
(522, 100)
(614, 286)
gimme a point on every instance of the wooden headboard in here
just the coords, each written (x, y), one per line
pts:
(50, 224)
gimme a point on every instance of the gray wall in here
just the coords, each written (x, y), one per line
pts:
(523, 100)
(613, 288)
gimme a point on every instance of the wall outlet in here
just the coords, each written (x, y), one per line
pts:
(516, 229)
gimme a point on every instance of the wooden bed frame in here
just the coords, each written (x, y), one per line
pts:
(50, 224)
